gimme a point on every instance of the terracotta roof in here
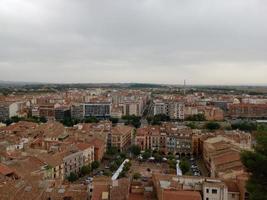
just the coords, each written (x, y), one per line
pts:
(121, 130)
(5, 170)
(230, 156)
(184, 195)
(136, 197)
(83, 146)
(121, 190)
(100, 185)
(232, 186)
(97, 143)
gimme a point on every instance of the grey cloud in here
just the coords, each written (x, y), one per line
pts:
(134, 41)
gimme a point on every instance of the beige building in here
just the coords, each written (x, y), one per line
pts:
(121, 136)
(88, 152)
(222, 157)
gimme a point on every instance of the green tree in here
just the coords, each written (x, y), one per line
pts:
(262, 128)
(196, 117)
(86, 169)
(149, 120)
(43, 119)
(132, 120)
(172, 164)
(192, 125)
(256, 162)
(170, 156)
(146, 155)
(95, 165)
(184, 166)
(8, 122)
(122, 155)
(72, 177)
(15, 119)
(122, 174)
(91, 120)
(113, 166)
(112, 151)
(212, 126)
(245, 126)
(157, 119)
(118, 161)
(127, 166)
(67, 122)
(114, 120)
(136, 176)
(107, 173)
(135, 149)
(158, 157)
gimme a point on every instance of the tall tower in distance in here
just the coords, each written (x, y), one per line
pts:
(184, 87)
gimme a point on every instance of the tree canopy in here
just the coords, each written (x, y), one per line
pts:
(184, 166)
(135, 149)
(256, 163)
(72, 177)
(245, 126)
(196, 117)
(132, 120)
(212, 126)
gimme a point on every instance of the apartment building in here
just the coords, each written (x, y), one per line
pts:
(121, 137)
(77, 111)
(132, 101)
(55, 166)
(132, 108)
(211, 113)
(91, 109)
(174, 109)
(73, 161)
(97, 109)
(35, 111)
(243, 110)
(47, 111)
(168, 138)
(8, 110)
(62, 112)
(88, 152)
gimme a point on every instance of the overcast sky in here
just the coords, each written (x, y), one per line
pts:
(150, 41)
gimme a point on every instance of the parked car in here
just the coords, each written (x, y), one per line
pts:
(89, 179)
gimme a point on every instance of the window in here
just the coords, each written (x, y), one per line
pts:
(207, 198)
(207, 190)
(214, 191)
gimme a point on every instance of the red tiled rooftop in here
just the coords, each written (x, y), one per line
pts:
(227, 157)
(232, 186)
(83, 146)
(5, 170)
(136, 196)
(97, 142)
(183, 195)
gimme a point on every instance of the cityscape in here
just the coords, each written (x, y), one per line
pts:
(133, 100)
(129, 143)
